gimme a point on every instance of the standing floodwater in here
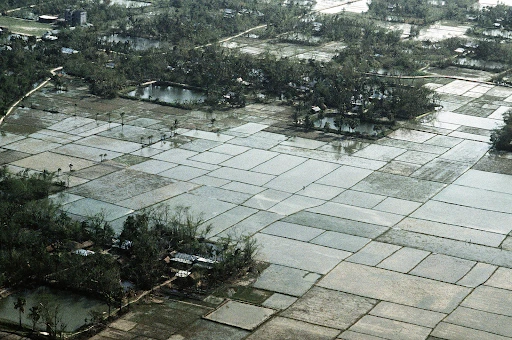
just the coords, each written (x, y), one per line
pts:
(168, 94)
(72, 309)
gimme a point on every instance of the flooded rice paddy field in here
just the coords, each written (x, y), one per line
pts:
(405, 237)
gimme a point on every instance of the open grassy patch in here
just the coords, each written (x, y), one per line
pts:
(243, 293)
(27, 27)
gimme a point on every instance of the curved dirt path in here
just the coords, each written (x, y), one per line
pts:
(11, 108)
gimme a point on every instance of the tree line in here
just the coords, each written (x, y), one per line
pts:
(220, 71)
(421, 11)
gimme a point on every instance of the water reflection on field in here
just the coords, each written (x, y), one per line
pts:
(168, 94)
(498, 33)
(138, 44)
(364, 128)
(481, 64)
(439, 31)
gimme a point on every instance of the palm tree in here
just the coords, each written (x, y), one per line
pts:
(35, 315)
(308, 123)
(19, 304)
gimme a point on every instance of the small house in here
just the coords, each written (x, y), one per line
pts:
(83, 252)
(229, 13)
(67, 50)
(316, 109)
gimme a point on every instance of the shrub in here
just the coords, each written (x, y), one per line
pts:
(501, 138)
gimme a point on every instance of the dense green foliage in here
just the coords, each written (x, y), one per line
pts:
(38, 242)
(182, 26)
(154, 235)
(22, 65)
(494, 51)
(8, 4)
(30, 224)
(218, 70)
(500, 14)
(187, 23)
(502, 138)
(420, 11)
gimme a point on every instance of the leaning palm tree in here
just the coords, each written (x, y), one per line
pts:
(35, 315)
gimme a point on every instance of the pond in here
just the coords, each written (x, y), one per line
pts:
(168, 94)
(481, 64)
(497, 33)
(438, 32)
(73, 309)
(363, 128)
(138, 44)
(493, 3)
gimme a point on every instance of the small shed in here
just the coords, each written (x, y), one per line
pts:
(83, 252)
(67, 50)
(316, 109)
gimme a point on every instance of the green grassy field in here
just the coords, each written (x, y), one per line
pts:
(27, 27)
